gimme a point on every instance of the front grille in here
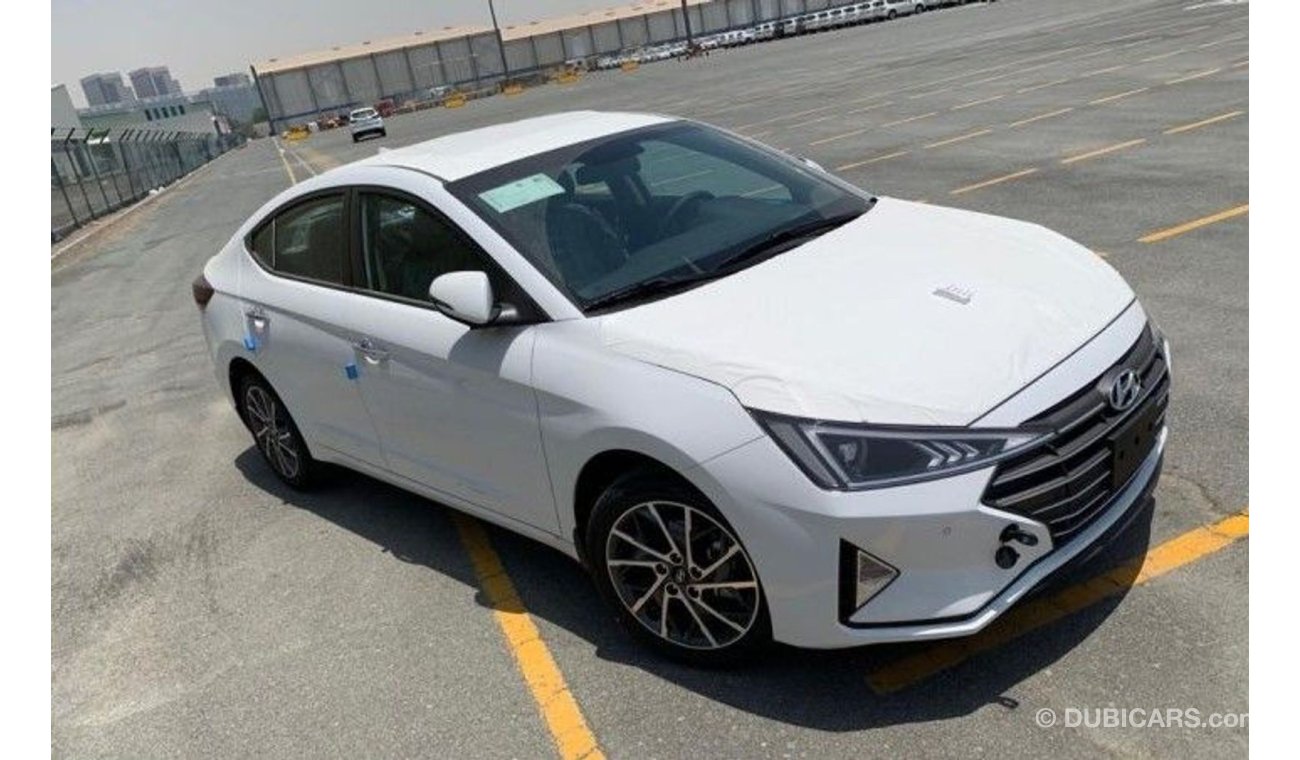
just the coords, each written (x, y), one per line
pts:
(1067, 482)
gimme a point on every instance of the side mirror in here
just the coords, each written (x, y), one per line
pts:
(467, 297)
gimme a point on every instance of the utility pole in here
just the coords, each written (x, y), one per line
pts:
(686, 16)
(501, 44)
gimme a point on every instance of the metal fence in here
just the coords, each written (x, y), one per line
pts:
(94, 172)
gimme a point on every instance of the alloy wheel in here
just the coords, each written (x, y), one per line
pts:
(272, 431)
(682, 575)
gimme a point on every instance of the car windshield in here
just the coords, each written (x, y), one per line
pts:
(644, 213)
(367, 113)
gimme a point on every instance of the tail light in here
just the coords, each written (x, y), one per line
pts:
(202, 290)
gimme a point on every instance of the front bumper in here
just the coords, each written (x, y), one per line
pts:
(937, 533)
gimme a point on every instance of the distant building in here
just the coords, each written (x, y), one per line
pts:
(186, 113)
(303, 87)
(153, 82)
(63, 115)
(235, 79)
(106, 89)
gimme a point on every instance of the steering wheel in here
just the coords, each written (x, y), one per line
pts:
(678, 209)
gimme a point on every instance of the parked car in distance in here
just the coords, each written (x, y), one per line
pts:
(755, 401)
(895, 8)
(364, 122)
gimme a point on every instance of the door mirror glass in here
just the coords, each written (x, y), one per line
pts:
(465, 297)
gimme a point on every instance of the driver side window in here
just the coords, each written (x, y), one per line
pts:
(405, 248)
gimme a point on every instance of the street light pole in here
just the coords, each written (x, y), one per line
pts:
(686, 16)
(501, 44)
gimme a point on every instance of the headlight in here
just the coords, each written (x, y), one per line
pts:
(855, 457)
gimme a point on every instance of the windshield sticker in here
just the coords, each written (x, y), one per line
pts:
(521, 192)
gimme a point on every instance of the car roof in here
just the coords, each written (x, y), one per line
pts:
(459, 155)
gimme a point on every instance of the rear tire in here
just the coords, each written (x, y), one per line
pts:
(276, 435)
(676, 574)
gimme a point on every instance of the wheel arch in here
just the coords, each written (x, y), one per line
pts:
(601, 471)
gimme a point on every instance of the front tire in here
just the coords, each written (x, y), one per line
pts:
(675, 572)
(275, 434)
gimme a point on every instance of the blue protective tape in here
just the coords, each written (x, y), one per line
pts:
(350, 371)
(251, 343)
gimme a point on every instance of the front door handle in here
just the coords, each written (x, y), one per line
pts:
(373, 354)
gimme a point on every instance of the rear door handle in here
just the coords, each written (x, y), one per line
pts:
(258, 318)
(372, 353)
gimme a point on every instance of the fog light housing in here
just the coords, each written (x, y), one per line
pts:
(862, 577)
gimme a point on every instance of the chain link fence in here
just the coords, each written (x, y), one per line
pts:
(94, 172)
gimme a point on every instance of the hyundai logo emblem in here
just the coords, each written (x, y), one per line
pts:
(1124, 390)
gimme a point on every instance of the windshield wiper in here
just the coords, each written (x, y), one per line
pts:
(771, 244)
(776, 241)
(645, 288)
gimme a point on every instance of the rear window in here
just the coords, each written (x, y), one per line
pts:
(365, 113)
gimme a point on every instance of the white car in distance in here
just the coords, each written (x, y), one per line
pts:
(755, 401)
(363, 122)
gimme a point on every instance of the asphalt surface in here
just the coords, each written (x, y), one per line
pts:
(200, 609)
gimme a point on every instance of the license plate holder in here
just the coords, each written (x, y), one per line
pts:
(1131, 443)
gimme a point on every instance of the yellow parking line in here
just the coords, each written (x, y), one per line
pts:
(1039, 117)
(1175, 553)
(1097, 52)
(978, 102)
(909, 119)
(874, 160)
(994, 181)
(1163, 56)
(929, 93)
(959, 138)
(1102, 151)
(284, 160)
(806, 122)
(871, 107)
(1175, 231)
(1117, 96)
(1106, 70)
(1197, 75)
(1044, 85)
(840, 136)
(1203, 122)
(1214, 43)
(573, 739)
(785, 116)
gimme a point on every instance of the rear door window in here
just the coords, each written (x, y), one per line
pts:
(308, 240)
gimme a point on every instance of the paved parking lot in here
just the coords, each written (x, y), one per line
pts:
(199, 608)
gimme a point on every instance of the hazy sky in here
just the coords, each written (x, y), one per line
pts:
(199, 39)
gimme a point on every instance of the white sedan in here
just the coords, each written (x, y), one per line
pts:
(755, 401)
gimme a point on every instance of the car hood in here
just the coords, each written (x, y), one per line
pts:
(910, 314)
